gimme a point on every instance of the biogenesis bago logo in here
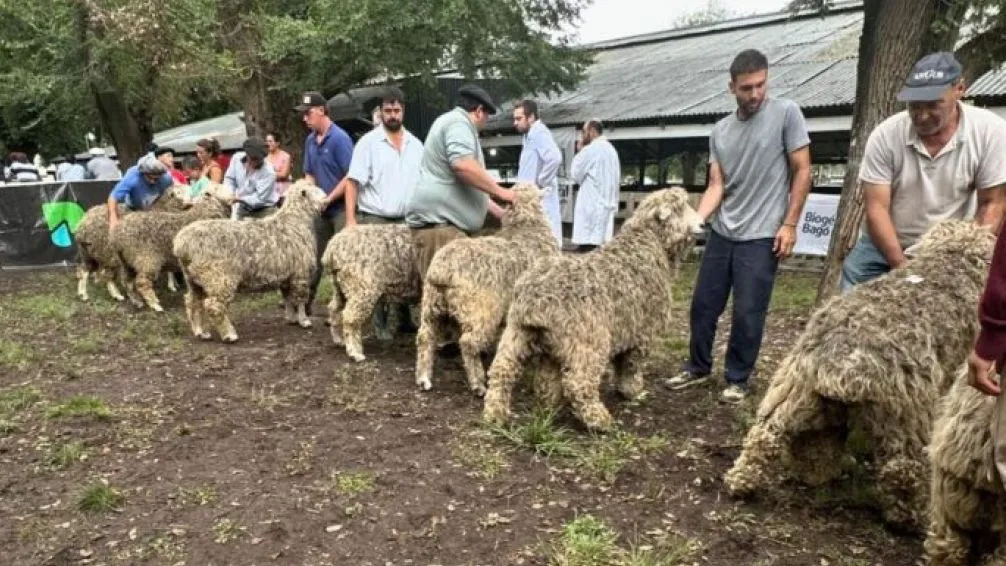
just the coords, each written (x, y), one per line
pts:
(62, 219)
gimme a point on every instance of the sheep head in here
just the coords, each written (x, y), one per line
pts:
(527, 205)
(956, 238)
(221, 192)
(667, 213)
(304, 193)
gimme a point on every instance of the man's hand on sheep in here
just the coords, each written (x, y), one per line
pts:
(981, 374)
(785, 239)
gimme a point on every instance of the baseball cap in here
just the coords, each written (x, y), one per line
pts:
(255, 147)
(309, 100)
(931, 77)
(478, 94)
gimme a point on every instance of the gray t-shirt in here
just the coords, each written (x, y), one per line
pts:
(439, 197)
(753, 155)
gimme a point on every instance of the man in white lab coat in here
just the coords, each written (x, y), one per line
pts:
(540, 159)
(597, 172)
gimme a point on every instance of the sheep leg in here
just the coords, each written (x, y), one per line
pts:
(172, 285)
(548, 383)
(954, 503)
(629, 374)
(514, 348)
(476, 339)
(83, 273)
(427, 337)
(145, 287)
(382, 320)
(108, 276)
(903, 477)
(359, 308)
(194, 312)
(583, 368)
(128, 279)
(335, 307)
(768, 443)
(215, 306)
(299, 292)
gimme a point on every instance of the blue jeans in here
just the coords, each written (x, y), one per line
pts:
(864, 263)
(747, 269)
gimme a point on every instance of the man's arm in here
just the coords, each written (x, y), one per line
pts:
(470, 172)
(880, 225)
(799, 188)
(231, 177)
(118, 194)
(990, 207)
(990, 347)
(713, 195)
(352, 189)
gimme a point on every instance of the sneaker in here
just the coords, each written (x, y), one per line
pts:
(683, 380)
(735, 393)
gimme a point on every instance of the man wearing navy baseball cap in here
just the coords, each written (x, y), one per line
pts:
(937, 160)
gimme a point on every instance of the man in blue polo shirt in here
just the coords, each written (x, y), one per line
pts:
(328, 150)
(142, 184)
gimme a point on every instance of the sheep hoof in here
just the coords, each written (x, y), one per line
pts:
(118, 298)
(357, 356)
(424, 383)
(158, 308)
(479, 390)
(306, 323)
(83, 297)
(230, 338)
(204, 336)
(495, 417)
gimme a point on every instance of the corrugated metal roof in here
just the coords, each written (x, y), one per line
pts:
(683, 74)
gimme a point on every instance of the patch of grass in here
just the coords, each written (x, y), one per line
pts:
(266, 399)
(8, 427)
(300, 462)
(17, 399)
(44, 308)
(606, 455)
(165, 547)
(226, 530)
(676, 347)
(100, 498)
(66, 454)
(668, 549)
(485, 460)
(589, 541)
(794, 292)
(80, 406)
(16, 355)
(202, 495)
(155, 331)
(260, 303)
(539, 434)
(585, 541)
(86, 346)
(351, 484)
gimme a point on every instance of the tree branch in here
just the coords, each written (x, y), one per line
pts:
(983, 52)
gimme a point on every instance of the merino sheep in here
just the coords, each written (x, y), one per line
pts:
(221, 257)
(968, 502)
(95, 253)
(471, 281)
(143, 242)
(579, 313)
(878, 359)
(368, 263)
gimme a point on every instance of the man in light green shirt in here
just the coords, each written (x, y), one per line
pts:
(451, 198)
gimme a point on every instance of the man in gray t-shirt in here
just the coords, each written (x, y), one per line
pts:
(759, 177)
(451, 196)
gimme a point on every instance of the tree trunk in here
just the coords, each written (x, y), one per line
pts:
(271, 111)
(895, 32)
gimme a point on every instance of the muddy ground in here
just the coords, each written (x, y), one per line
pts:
(125, 441)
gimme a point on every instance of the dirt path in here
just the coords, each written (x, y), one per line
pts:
(279, 450)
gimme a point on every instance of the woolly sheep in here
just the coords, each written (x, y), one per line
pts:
(879, 357)
(95, 253)
(368, 263)
(968, 502)
(470, 281)
(221, 257)
(579, 313)
(143, 242)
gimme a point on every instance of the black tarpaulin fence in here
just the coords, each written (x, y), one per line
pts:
(38, 221)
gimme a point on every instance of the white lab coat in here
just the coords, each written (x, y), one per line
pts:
(598, 173)
(540, 159)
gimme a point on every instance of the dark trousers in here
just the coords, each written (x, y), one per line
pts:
(748, 269)
(324, 228)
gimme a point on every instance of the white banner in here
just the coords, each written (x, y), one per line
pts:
(813, 231)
